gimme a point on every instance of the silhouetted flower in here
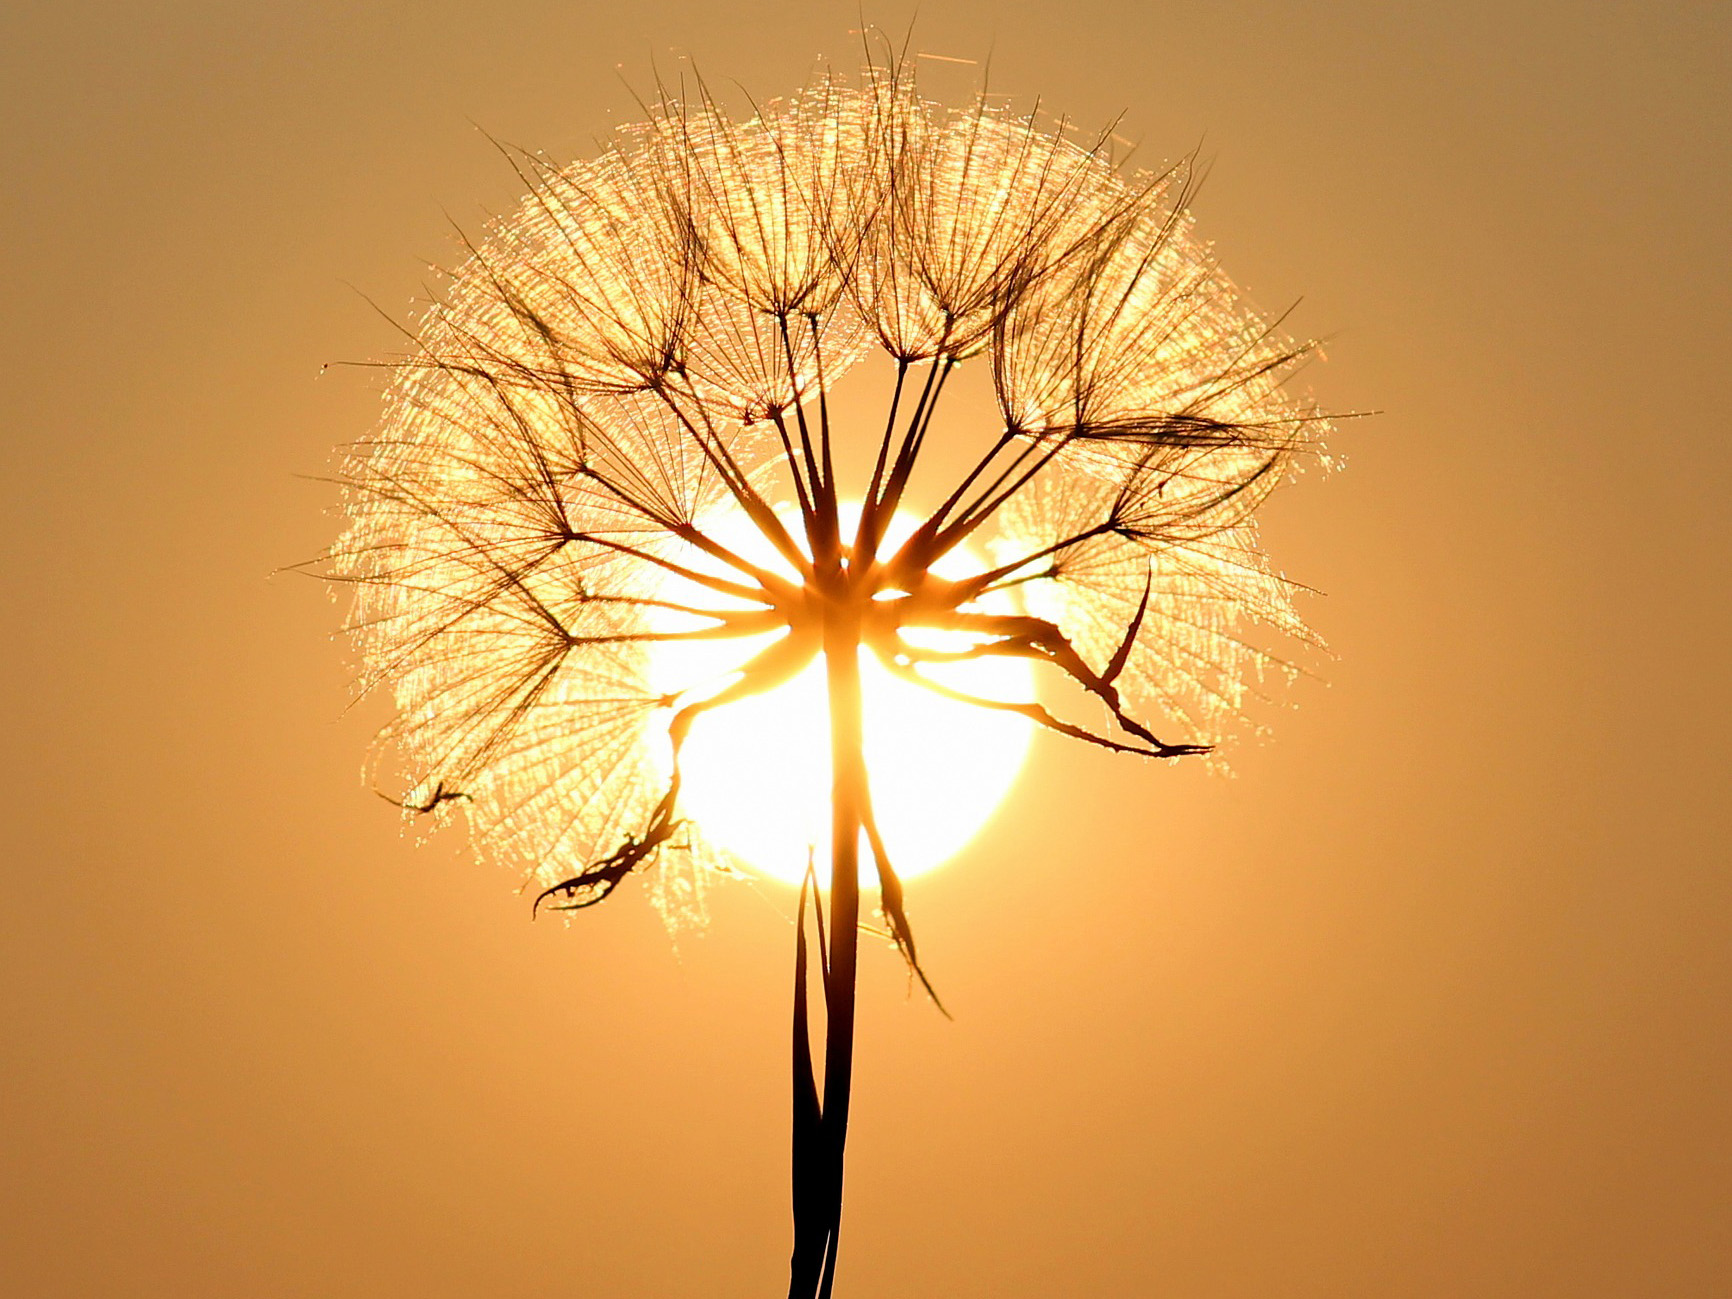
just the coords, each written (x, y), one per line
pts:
(647, 345)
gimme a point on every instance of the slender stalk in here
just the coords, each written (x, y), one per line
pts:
(847, 790)
(818, 1163)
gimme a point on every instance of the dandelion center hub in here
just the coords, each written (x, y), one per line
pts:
(755, 774)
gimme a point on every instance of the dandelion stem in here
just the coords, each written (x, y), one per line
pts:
(818, 1197)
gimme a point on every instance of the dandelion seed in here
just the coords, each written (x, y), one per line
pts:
(648, 345)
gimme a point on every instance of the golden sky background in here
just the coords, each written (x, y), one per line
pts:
(1430, 1000)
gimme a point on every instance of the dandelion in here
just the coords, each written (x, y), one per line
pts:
(634, 370)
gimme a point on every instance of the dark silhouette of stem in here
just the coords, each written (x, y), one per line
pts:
(818, 1156)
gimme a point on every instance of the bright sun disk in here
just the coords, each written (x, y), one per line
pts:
(756, 773)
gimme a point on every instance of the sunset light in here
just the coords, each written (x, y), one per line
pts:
(757, 773)
(653, 600)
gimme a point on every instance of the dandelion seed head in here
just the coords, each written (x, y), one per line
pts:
(649, 339)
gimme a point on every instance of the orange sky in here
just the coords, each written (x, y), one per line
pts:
(1431, 1000)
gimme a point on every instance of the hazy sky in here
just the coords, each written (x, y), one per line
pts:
(1430, 999)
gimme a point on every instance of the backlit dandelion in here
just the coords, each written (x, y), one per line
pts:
(615, 446)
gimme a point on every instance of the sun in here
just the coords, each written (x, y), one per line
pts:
(756, 773)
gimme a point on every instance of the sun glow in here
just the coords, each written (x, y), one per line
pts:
(756, 773)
